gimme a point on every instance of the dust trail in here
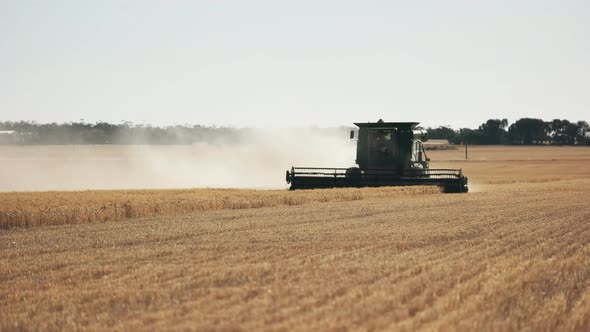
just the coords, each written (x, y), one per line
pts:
(258, 159)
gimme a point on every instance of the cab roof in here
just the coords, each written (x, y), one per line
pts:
(384, 125)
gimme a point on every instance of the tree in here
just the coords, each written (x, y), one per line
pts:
(442, 132)
(528, 131)
(493, 131)
(583, 132)
(467, 136)
(564, 132)
(555, 130)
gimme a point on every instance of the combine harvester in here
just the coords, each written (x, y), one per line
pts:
(387, 154)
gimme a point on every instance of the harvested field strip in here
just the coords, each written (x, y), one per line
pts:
(59, 208)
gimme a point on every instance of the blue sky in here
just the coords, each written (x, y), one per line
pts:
(294, 63)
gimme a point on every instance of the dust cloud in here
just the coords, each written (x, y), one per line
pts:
(258, 159)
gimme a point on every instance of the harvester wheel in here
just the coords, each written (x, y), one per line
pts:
(353, 176)
(288, 177)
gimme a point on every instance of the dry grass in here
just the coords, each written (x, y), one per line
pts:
(513, 256)
(58, 208)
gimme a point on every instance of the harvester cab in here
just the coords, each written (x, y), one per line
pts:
(393, 146)
(388, 154)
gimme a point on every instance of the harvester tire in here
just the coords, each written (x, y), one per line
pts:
(353, 176)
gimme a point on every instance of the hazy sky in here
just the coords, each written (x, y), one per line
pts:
(293, 63)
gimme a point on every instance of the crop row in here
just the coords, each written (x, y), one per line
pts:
(59, 208)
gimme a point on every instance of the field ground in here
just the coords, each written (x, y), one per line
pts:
(512, 255)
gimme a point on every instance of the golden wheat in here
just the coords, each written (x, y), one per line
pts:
(59, 208)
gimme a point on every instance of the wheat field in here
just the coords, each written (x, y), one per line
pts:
(28, 209)
(514, 254)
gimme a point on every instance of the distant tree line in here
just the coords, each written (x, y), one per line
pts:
(526, 131)
(125, 133)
